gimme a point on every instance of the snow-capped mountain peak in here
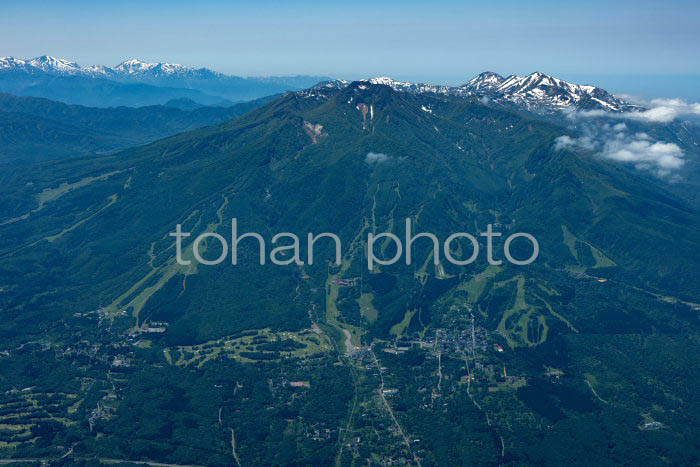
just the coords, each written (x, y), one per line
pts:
(55, 65)
(388, 81)
(45, 63)
(485, 81)
(332, 84)
(12, 62)
(98, 70)
(415, 88)
(51, 64)
(541, 90)
(134, 66)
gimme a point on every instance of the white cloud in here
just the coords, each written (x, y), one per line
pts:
(583, 142)
(657, 156)
(376, 157)
(620, 127)
(615, 143)
(656, 111)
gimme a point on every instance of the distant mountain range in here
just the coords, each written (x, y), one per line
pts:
(136, 83)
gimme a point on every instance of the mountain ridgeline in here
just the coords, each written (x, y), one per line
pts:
(35, 129)
(536, 92)
(136, 83)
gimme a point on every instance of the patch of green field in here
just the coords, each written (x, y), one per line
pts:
(18, 428)
(547, 290)
(516, 333)
(367, 307)
(570, 241)
(138, 294)
(168, 356)
(601, 261)
(52, 194)
(471, 205)
(591, 379)
(422, 273)
(511, 385)
(31, 408)
(12, 445)
(440, 272)
(558, 316)
(398, 328)
(344, 335)
(232, 347)
(75, 406)
(333, 316)
(476, 285)
(112, 199)
(519, 305)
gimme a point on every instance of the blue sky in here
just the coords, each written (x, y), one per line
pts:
(646, 47)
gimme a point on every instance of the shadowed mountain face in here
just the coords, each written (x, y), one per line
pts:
(618, 256)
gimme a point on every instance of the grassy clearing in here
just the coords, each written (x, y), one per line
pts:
(558, 316)
(75, 406)
(548, 290)
(112, 199)
(233, 347)
(511, 385)
(398, 328)
(601, 261)
(333, 315)
(33, 408)
(138, 294)
(519, 305)
(344, 335)
(570, 240)
(367, 308)
(476, 285)
(17, 428)
(422, 273)
(52, 194)
(516, 332)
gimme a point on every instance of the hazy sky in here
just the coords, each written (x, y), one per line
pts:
(447, 41)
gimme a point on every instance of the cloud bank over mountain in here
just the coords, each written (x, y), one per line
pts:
(653, 111)
(617, 143)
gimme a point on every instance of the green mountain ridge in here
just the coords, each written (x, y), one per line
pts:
(615, 282)
(34, 129)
